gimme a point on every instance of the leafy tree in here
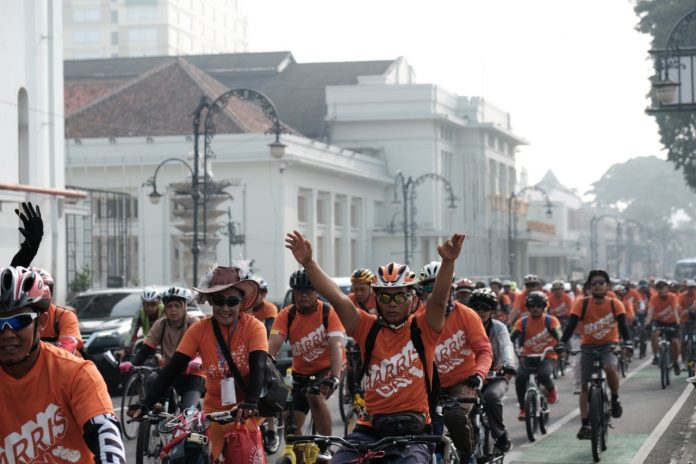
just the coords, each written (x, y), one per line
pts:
(646, 189)
(82, 281)
(677, 129)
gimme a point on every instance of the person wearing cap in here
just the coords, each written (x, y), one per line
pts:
(237, 387)
(532, 283)
(264, 310)
(462, 290)
(603, 318)
(663, 312)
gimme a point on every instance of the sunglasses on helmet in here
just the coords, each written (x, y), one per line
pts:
(222, 300)
(17, 322)
(399, 298)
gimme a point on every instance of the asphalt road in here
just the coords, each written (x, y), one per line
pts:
(658, 426)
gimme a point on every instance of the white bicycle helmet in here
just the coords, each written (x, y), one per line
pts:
(394, 275)
(429, 272)
(150, 294)
(177, 293)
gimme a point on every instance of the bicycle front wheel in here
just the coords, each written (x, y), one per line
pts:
(132, 393)
(344, 399)
(596, 422)
(543, 414)
(691, 357)
(664, 366)
(147, 446)
(531, 417)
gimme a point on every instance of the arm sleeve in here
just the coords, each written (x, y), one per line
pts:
(623, 327)
(507, 351)
(102, 435)
(570, 328)
(143, 353)
(169, 374)
(269, 325)
(257, 365)
(25, 255)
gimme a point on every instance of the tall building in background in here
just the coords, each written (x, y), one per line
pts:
(128, 28)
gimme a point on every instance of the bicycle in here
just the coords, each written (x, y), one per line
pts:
(536, 404)
(640, 337)
(689, 341)
(149, 444)
(598, 410)
(622, 364)
(664, 350)
(312, 445)
(300, 386)
(347, 386)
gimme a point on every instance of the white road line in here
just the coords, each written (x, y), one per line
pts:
(650, 443)
(510, 457)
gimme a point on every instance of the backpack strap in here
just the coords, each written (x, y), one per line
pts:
(417, 341)
(524, 328)
(369, 346)
(585, 303)
(325, 308)
(292, 312)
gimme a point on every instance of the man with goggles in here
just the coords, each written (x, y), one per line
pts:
(54, 403)
(395, 378)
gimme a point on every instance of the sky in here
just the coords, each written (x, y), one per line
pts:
(572, 75)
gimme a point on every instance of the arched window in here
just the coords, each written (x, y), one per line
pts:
(23, 136)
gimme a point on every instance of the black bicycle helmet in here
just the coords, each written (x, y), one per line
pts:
(536, 299)
(300, 280)
(598, 272)
(483, 297)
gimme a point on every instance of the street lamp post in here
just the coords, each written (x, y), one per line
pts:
(512, 223)
(408, 199)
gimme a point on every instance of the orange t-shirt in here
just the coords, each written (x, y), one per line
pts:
(266, 311)
(309, 340)
(630, 310)
(686, 303)
(599, 325)
(635, 296)
(248, 335)
(461, 338)
(536, 337)
(519, 302)
(44, 411)
(560, 306)
(395, 381)
(370, 306)
(664, 311)
(512, 294)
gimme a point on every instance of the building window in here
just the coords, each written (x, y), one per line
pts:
(114, 17)
(511, 149)
(338, 213)
(23, 136)
(502, 181)
(502, 146)
(114, 38)
(302, 209)
(86, 15)
(354, 214)
(142, 34)
(321, 213)
(490, 140)
(492, 176)
(320, 251)
(446, 133)
(354, 253)
(337, 256)
(141, 13)
(85, 37)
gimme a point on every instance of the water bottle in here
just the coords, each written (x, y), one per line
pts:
(288, 382)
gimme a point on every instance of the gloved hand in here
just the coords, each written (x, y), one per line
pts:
(247, 410)
(136, 410)
(125, 367)
(560, 348)
(32, 224)
(67, 343)
(329, 385)
(194, 365)
(475, 381)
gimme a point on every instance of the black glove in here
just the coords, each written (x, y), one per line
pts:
(509, 370)
(246, 410)
(560, 348)
(137, 410)
(475, 381)
(32, 224)
(332, 382)
(628, 344)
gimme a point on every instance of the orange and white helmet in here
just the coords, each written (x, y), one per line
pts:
(394, 275)
(20, 287)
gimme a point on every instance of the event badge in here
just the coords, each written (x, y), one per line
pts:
(229, 396)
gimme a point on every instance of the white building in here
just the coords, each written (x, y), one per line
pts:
(31, 128)
(101, 29)
(354, 125)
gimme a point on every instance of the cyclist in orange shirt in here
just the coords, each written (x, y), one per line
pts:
(264, 310)
(510, 291)
(243, 339)
(622, 295)
(55, 406)
(504, 302)
(663, 311)
(463, 351)
(316, 337)
(62, 328)
(396, 379)
(361, 293)
(603, 318)
(536, 332)
(687, 302)
(559, 302)
(532, 283)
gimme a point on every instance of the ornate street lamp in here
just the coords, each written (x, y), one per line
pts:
(512, 221)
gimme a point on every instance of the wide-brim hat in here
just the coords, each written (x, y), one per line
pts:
(221, 278)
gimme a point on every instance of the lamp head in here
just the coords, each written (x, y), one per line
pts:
(666, 91)
(277, 149)
(155, 197)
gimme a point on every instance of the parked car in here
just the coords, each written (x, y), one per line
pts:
(105, 319)
(284, 357)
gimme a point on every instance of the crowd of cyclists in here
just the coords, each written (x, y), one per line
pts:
(421, 336)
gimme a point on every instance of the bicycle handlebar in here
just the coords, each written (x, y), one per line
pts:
(363, 446)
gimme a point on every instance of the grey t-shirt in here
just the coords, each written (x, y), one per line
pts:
(168, 337)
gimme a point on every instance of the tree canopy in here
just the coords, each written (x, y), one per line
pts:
(677, 130)
(649, 190)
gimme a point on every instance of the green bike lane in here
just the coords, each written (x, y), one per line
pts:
(646, 425)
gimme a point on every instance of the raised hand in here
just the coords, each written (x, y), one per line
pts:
(452, 247)
(301, 247)
(32, 224)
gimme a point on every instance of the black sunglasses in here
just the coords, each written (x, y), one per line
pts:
(222, 300)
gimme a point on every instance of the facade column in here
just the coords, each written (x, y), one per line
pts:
(330, 238)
